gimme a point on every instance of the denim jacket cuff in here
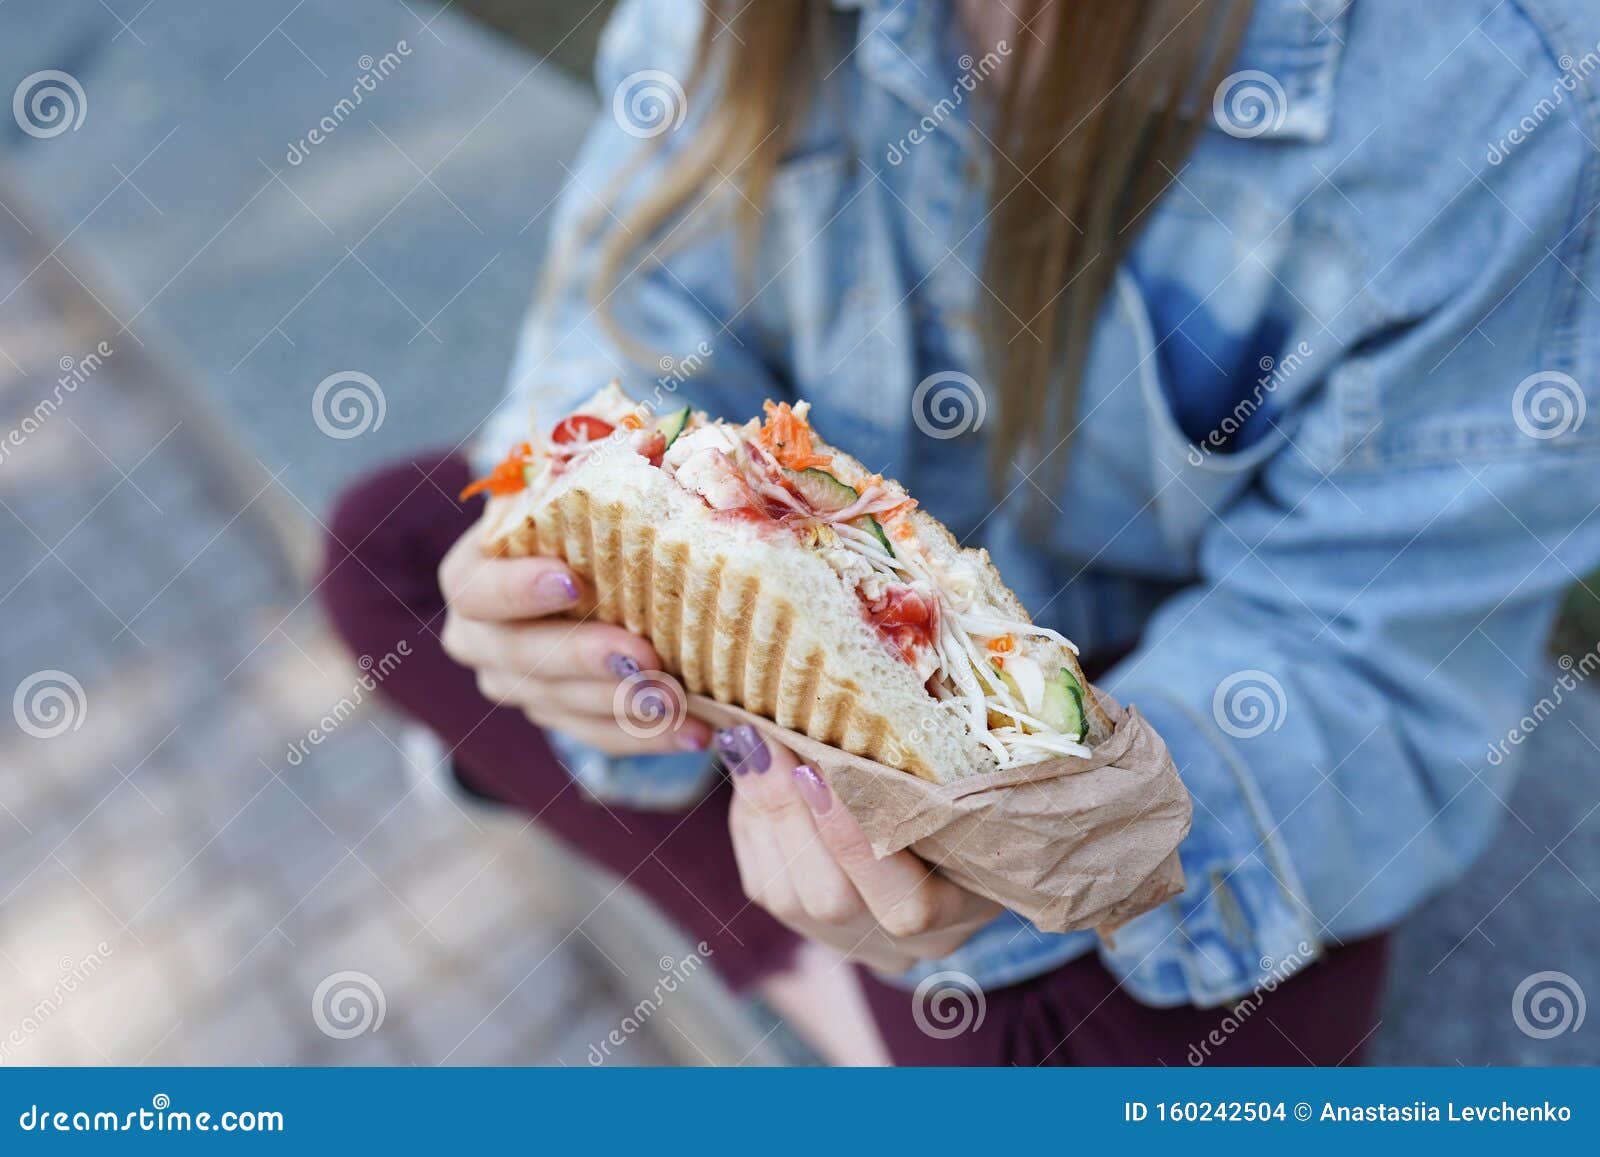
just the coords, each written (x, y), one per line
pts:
(645, 782)
(1243, 923)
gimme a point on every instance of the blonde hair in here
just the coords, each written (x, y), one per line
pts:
(1095, 110)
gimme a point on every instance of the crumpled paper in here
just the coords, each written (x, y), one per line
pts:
(1068, 843)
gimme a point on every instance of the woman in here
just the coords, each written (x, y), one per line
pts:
(1273, 344)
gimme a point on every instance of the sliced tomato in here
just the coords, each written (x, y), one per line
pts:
(653, 446)
(581, 428)
(906, 619)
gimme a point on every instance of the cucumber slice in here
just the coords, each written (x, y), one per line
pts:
(867, 522)
(529, 472)
(825, 492)
(1063, 704)
(673, 424)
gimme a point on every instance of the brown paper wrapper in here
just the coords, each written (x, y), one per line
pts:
(1069, 843)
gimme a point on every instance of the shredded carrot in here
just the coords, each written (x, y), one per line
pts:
(904, 506)
(788, 436)
(507, 477)
(997, 662)
(632, 422)
(904, 531)
(1003, 643)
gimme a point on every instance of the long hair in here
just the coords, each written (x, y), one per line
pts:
(1093, 113)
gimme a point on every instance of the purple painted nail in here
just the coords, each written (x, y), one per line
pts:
(622, 666)
(743, 749)
(816, 794)
(558, 586)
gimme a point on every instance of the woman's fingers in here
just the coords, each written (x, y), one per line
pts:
(762, 872)
(906, 897)
(551, 650)
(631, 717)
(764, 774)
(605, 736)
(504, 589)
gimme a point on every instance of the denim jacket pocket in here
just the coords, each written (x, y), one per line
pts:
(1193, 484)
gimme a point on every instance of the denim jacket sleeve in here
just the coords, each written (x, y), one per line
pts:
(1342, 688)
(686, 334)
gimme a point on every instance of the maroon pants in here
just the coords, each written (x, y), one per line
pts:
(388, 535)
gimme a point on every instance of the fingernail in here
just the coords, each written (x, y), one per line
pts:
(558, 585)
(690, 741)
(622, 666)
(743, 749)
(816, 794)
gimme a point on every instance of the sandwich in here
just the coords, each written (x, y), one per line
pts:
(776, 573)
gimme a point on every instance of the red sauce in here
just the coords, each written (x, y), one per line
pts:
(905, 619)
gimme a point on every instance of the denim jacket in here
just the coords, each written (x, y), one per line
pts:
(1336, 463)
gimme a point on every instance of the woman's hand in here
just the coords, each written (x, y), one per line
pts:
(503, 622)
(803, 859)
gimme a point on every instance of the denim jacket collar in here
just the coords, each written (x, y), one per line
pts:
(1295, 46)
(1290, 54)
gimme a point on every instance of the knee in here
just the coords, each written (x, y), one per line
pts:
(387, 531)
